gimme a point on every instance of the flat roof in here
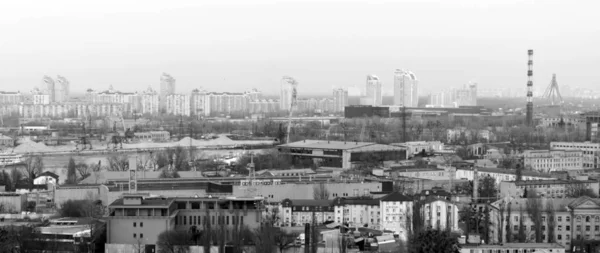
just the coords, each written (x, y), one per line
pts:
(319, 144)
(150, 202)
(536, 182)
(514, 245)
(509, 171)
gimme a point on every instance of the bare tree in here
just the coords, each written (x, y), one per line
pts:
(500, 219)
(264, 238)
(33, 168)
(522, 236)
(284, 239)
(551, 220)
(576, 190)
(83, 169)
(117, 163)
(509, 236)
(534, 209)
(173, 241)
(320, 192)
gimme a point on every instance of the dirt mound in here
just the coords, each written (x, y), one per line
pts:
(31, 146)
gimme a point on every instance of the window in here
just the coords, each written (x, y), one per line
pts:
(587, 228)
(134, 224)
(184, 220)
(568, 228)
(544, 218)
(578, 228)
(515, 228)
(597, 219)
(516, 218)
(543, 228)
(578, 218)
(568, 218)
(141, 224)
(227, 218)
(587, 218)
(559, 237)
(559, 228)
(559, 218)
(134, 235)
(596, 228)
(141, 235)
(567, 237)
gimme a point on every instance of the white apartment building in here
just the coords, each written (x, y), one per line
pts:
(547, 188)
(553, 160)
(396, 213)
(415, 147)
(41, 99)
(590, 151)
(340, 99)
(287, 92)
(373, 91)
(406, 88)
(499, 174)
(358, 212)
(150, 101)
(197, 102)
(298, 212)
(439, 213)
(167, 87)
(178, 104)
(264, 106)
(10, 98)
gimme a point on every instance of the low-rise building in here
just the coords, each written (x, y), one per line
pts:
(361, 212)
(153, 136)
(138, 219)
(437, 209)
(6, 141)
(396, 214)
(553, 160)
(46, 178)
(590, 150)
(513, 247)
(548, 188)
(298, 212)
(341, 154)
(500, 174)
(416, 147)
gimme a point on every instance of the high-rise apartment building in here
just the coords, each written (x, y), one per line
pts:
(150, 101)
(178, 104)
(197, 102)
(287, 93)
(466, 96)
(62, 89)
(167, 87)
(406, 88)
(373, 91)
(10, 98)
(340, 99)
(48, 82)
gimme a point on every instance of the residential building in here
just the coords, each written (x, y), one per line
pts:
(10, 98)
(373, 91)
(167, 87)
(287, 93)
(46, 178)
(274, 191)
(415, 147)
(49, 86)
(553, 160)
(198, 102)
(6, 141)
(361, 212)
(264, 106)
(499, 174)
(341, 154)
(406, 88)
(421, 173)
(139, 218)
(340, 99)
(590, 151)
(298, 212)
(455, 97)
(63, 91)
(315, 105)
(150, 101)
(513, 247)
(226, 103)
(563, 121)
(396, 214)
(548, 188)
(68, 110)
(576, 222)
(438, 211)
(178, 104)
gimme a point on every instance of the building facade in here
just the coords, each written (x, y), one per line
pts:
(298, 212)
(553, 160)
(590, 151)
(287, 93)
(373, 91)
(548, 188)
(358, 212)
(150, 101)
(178, 104)
(167, 87)
(10, 98)
(406, 88)
(340, 99)
(396, 214)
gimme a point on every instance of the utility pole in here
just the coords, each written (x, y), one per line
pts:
(191, 155)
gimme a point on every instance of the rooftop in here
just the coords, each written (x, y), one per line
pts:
(149, 202)
(515, 246)
(318, 144)
(309, 202)
(509, 171)
(537, 182)
(350, 201)
(396, 197)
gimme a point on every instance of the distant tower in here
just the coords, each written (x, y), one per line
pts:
(50, 88)
(167, 87)
(552, 92)
(406, 88)
(529, 116)
(373, 90)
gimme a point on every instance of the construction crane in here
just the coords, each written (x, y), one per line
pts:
(292, 88)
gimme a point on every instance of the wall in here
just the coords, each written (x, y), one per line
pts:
(121, 230)
(13, 202)
(114, 195)
(278, 193)
(96, 192)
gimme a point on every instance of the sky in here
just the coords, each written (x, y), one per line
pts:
(239, 45)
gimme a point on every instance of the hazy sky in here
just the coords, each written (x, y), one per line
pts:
(238, 45)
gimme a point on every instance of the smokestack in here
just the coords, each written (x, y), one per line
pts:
(475, 184)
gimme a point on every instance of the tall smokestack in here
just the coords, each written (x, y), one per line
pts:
(529, 116)
(475, 184)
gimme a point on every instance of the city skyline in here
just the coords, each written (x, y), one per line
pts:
(220, 61)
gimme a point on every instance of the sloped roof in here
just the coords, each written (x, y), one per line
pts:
(396, 197)
(48, 174)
